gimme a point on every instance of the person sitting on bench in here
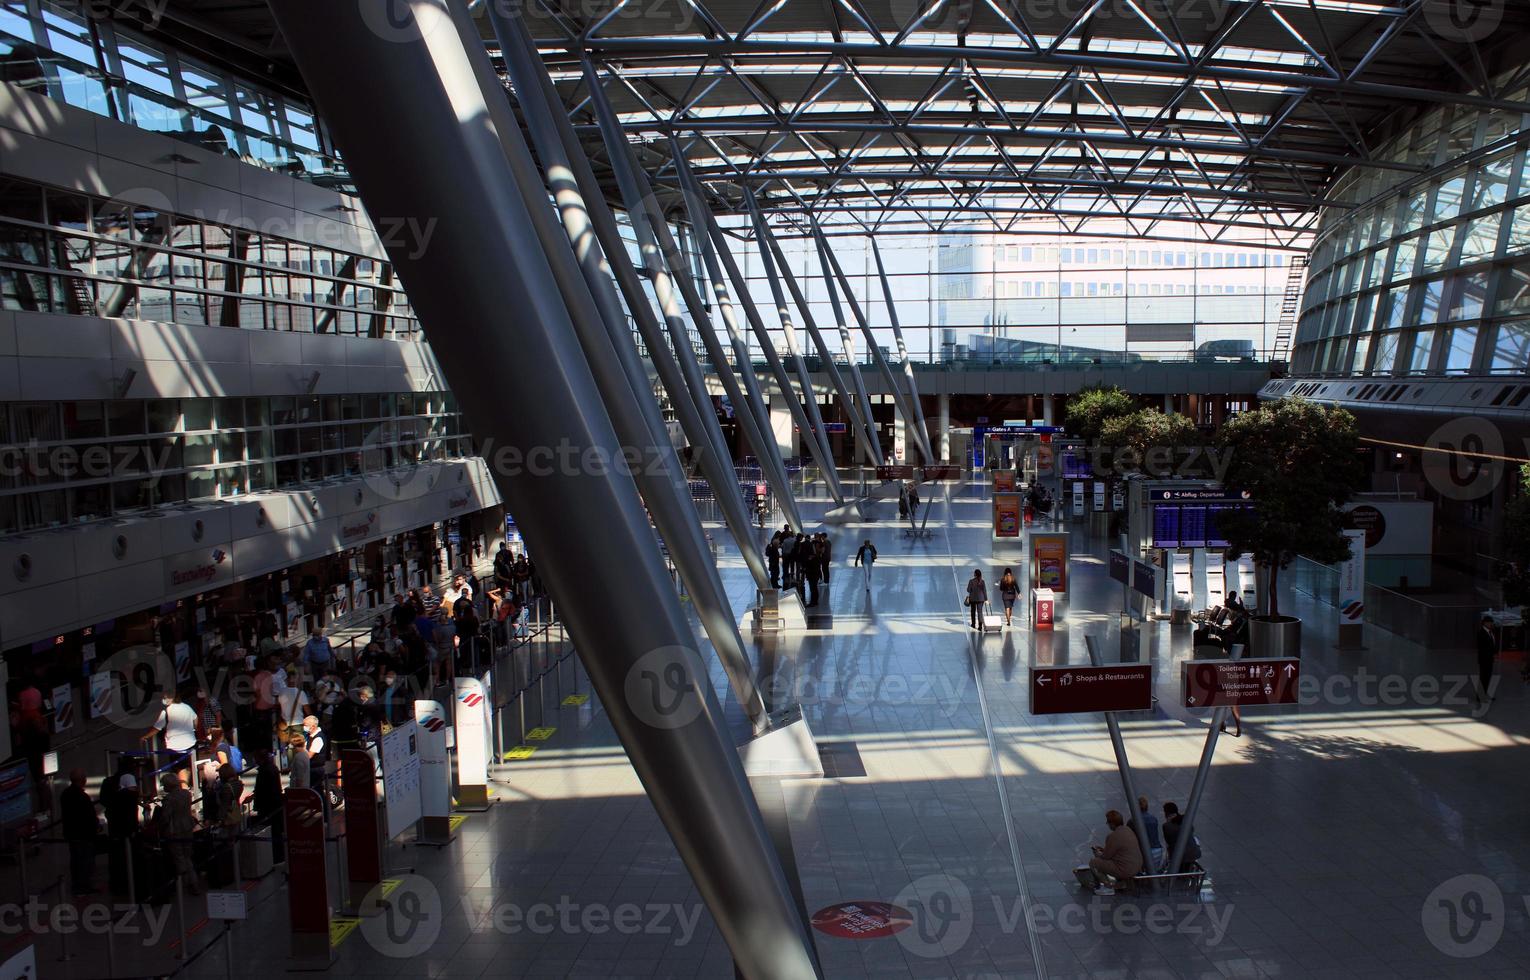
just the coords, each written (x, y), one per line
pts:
(1173, 826)
(1120, 859)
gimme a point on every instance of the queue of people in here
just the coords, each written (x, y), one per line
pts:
(273, 717)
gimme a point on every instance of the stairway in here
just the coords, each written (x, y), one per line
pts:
(1290, 307)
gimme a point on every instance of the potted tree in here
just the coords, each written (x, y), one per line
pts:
(1297, 463)
(1091, 408)
(1155, 440)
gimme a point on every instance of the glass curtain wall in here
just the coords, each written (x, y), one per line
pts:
(1428, 274)
(1040, 295)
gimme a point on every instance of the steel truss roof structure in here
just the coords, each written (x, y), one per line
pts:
(943, 115)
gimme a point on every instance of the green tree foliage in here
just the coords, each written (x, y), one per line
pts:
(1158, 441)
(1298, 463)
(1516, 544)
(1089, 410)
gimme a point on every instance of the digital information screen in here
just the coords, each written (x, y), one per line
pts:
(1166, 526)
(1192, 526)
(1214, 536)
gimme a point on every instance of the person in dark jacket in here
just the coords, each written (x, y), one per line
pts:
(1487, 656)
(812, 569)
(268, 803)
(1173, 826)
(773, 557)
(81, 828)
(121, 800)
(977, 596)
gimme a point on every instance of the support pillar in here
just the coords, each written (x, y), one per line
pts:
(855, 423)
(900, 398)
(944, 401)
(782, 425)
(654, 237)
(908, 366)
(795, 406)
(696, 416)
(501, 332)
(601, 326)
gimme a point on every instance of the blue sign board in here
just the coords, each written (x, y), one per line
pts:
(1120, 567)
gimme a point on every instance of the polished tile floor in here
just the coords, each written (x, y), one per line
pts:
(1377, 829)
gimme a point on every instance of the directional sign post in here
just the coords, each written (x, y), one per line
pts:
(1239, 683)
(1068, 690)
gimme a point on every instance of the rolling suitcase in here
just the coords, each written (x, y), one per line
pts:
(992, 621)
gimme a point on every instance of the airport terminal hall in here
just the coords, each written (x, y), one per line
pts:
(765, 489)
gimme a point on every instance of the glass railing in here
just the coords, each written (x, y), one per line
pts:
(1314, 579)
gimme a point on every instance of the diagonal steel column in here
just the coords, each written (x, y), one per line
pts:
(696, 211)
(815, 434)
(603, 333)
(817, 449)
(921, 439)
(502, 335)
(699, 421)
(701, 220)
(908, 367)
(653, 235)
(830, 368)
(848, 343)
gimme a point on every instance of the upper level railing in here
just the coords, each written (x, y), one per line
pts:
(1065, 361)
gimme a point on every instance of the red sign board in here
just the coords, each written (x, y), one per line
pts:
(942, 474)
(895, 472)
(862, 920)
(1226, 683)
(363, 835)
(1069, 690)
(307, 877)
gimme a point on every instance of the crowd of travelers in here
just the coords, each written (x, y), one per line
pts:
(261, 714)
(799, 560)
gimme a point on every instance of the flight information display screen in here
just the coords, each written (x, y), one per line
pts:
(1166, 526)
(1215, 538)
(1192, 526)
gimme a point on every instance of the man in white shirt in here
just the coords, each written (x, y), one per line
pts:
(178, 723)
(455, 591)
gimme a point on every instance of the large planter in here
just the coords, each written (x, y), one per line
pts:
(1274, 636)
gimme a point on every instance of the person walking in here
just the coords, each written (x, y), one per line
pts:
(1009, 591)
(825, 555)
(773, 559)
(81, 829)
(1487, 656)
(977, 597)
(913, 502)
(812, 568)
(866, 556)
(902, 502)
